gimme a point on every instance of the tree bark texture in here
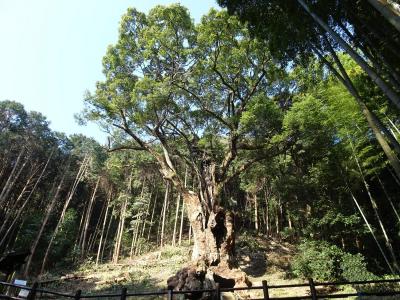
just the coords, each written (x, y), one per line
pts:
(213, 234)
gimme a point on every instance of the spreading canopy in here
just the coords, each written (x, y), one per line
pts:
(191, 93)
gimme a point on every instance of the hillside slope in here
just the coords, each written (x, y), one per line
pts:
(260, 258)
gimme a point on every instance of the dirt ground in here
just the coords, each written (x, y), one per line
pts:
(260, 258)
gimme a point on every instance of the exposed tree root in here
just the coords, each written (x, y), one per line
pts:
(197, 277)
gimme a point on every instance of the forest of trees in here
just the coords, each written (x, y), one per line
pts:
(286, 127)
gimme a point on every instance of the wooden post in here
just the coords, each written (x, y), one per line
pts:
(312, 289)
(170, 293)
(217, 291)
(123, 293)
(265, 290)
(78, 294)
(32, 292)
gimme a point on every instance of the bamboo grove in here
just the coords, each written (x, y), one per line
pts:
(218, 115)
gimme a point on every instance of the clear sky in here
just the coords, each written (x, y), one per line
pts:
(51, 52)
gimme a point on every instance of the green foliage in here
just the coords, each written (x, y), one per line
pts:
(248, 242)
(354, 268)
(209, 100)
(317, 260)
(326, 262)
(64, 240)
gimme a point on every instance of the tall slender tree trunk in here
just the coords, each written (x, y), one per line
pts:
(393, 125)
(106, 237)
(10, 178)
(152, 216)
(140, 219)
(182, 212)
(375, 209)
(371, 119)
(12, 210)
(255, 212)
(147, 214)
(164, 212)
(388, 91)
(103, 227)
(190, 233)
(96, 231)
(120, 231)
(176, 218)
(88, 216)
(44, 222)
(374, 122)
(134, 236)
(387, 11)
(10, 183)
(78, 178)
(267, 219)
(181, 224)
(389, 199)
(370, 230)
(21, 209)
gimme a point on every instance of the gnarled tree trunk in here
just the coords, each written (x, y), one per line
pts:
(213, 232)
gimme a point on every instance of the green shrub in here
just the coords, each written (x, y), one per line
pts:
(354, 268)
(318, 260)
(325, 262)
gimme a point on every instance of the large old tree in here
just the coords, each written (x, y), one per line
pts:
(190, 96)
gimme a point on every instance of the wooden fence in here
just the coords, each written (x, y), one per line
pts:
(37, 293)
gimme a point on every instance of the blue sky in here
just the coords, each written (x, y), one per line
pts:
(51, 52)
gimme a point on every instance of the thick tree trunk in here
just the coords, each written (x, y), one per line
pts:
(213, 234)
